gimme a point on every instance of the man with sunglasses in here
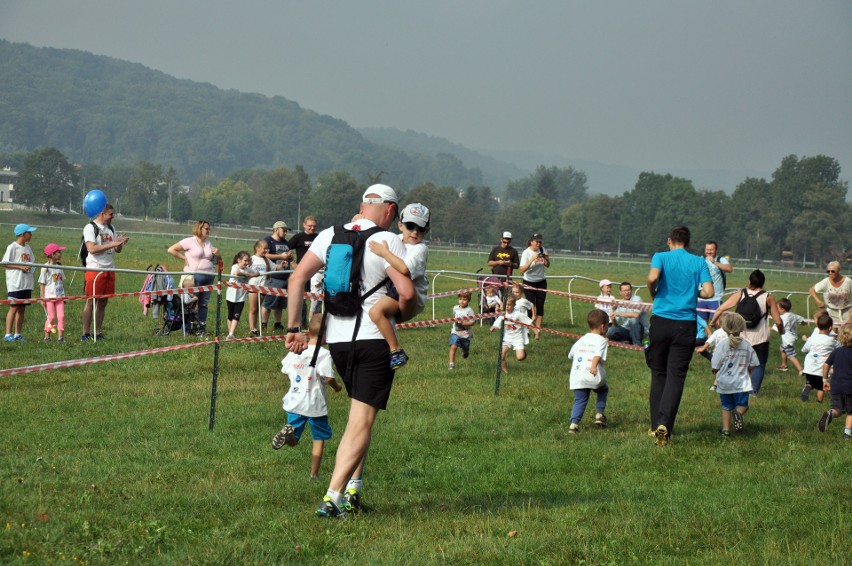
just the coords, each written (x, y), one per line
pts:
(370, 382)
(504, 258)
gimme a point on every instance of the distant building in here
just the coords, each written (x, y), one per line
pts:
(8, 178)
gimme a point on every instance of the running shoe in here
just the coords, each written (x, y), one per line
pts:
(351, 501)
(254, 333)
(600, 420)
(452, 366)
(9, 338)
(781, 368)
(725, 433)
(806, 392)
(19, 338)
(85, 338)
(662, 434)
(282, 437)
(824, 420)
(329, 510)
(737, 419)
(574, 428)
(398, 358)
(465, 353)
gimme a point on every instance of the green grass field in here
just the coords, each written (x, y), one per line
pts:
(114, 463)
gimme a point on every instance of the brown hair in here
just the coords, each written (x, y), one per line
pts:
(198, 227)
(824, 322)
(596, 317)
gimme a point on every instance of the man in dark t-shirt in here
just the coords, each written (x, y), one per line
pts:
(300, 244)
(281, 257)
(504, 257)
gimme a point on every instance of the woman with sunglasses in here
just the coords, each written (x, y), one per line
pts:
(199, 256)
(533, 261)
(836, 292)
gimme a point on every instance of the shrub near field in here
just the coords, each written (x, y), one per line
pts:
(114, 462)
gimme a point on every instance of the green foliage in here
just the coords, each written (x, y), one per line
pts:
(48, 181)
(563, 186)
(145, 188)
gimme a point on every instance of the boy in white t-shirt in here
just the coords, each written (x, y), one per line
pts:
(790, 321)
(587, 370)
(462, 330)
(515, 333)
(19, 280)
(305, 401)
(818, 347)
(414, 221)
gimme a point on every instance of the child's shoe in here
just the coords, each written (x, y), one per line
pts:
(724, 433)
(806, 392)
(254, 333)
(328, 509)
(824, 420)
(398, 358)
(574, 428)
(465, 353)
(282, 437)
(600, 420)
(781, 368)
(47, 337)
(19, 338)
(737, 419)
(61, 339)
(452, 366)
(9, 338)
(713, 388)
(231, 337)
(847, 436)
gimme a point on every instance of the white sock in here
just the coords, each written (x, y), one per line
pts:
(335, 496)
(357, 485)
(848, 431)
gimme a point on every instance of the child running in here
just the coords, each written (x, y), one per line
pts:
(587, 370)
(818, 347)
(414, 221)
(709, 346)
(19, 280)
(306, 401)
(515, 334)
(791, 322)
(234, 297)
(840, 385)
(732, 364)
(462, 330)
(51, 282)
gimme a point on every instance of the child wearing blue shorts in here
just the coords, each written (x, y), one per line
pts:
(306, 402)
(462, 330)
(732, 364)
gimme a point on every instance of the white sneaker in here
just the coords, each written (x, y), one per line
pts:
(574, 428)
(452, 365)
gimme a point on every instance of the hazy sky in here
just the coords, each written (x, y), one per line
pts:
(659, 85)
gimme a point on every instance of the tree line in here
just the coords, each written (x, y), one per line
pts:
(802, 209)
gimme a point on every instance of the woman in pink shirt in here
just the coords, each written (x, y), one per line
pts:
(199, 256)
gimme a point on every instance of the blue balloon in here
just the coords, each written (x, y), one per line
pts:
(94, 203)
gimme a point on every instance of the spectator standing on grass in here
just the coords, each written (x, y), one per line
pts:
(757, 331)
(532, 264)
(51, 281)
(19, 280)
(102, 243)
(200, 257)
(673, 282)
(588, 355)
(235, 297)
(370, 382)
(836, 290)
(301, 242)
(840, 385)
(719, 267)
(259, 265)
(733, 362)
(503, 258)
(282, 258)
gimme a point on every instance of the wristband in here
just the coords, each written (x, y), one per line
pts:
(293, 330)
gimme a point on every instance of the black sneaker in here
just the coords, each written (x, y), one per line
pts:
(86, 338)
(254, 333)
(725, 433)
(351, 501)
(100, 338)
(329, 510)
(739, 423)
(282, 437)
(824, 420)
(806, 392)
(278, 326)
(398, 358)
(465, 353)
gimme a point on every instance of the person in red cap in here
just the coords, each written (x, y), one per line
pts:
(51, 282)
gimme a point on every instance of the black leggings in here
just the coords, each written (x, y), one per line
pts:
(536, 296)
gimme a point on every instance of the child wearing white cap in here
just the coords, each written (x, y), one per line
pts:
(414, 222)
(19, 279)
(51, 282)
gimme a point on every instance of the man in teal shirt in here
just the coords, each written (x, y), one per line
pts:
(676, 280)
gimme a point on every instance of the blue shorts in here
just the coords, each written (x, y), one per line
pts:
(320, 429)
(731, 401)
(463, 343)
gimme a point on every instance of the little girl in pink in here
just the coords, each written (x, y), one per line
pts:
(51, 283)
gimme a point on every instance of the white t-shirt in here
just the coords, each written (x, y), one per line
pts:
(373, 271)
(716, 338)
(524, 306)
(103, 236)
(53, 279)
(790, 321)
(515, 335)
(582, 353)
(306, 395)
(415, 259)
(459, 330)
(535, 273)
(17, 280)
(605, 304)
(233, 294)
(818, 348)
(620, 320)
(838, 300)
(732, 365)
(259, 265)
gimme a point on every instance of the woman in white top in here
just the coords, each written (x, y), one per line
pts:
(533, 261)
(836, 292)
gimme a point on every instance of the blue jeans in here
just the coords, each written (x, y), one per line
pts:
(629, 331)
(581, 399)
(203, 296)
(762, 351)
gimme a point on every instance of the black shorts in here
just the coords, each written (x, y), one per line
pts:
(235, 310)
(25, 294)
(814, 381)
(842, 403)
(372, 377)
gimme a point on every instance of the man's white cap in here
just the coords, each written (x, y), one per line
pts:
(382, 193)
(417, 213)
(507, 235)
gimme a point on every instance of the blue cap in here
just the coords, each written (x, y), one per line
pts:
(21, 228)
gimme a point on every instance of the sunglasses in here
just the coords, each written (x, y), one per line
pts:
(830, 271)
(411, 226)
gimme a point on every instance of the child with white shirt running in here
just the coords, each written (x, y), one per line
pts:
(732, 364)
(414, 221)
(587, 370)
(818, 347)
(790, 321)
(51, 281)
(515, 333)
(462, 330)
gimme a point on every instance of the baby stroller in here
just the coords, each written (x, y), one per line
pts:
(159, 280)
(175, 318)
(489, 304)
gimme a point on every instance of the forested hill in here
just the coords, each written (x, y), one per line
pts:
(97, 109)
